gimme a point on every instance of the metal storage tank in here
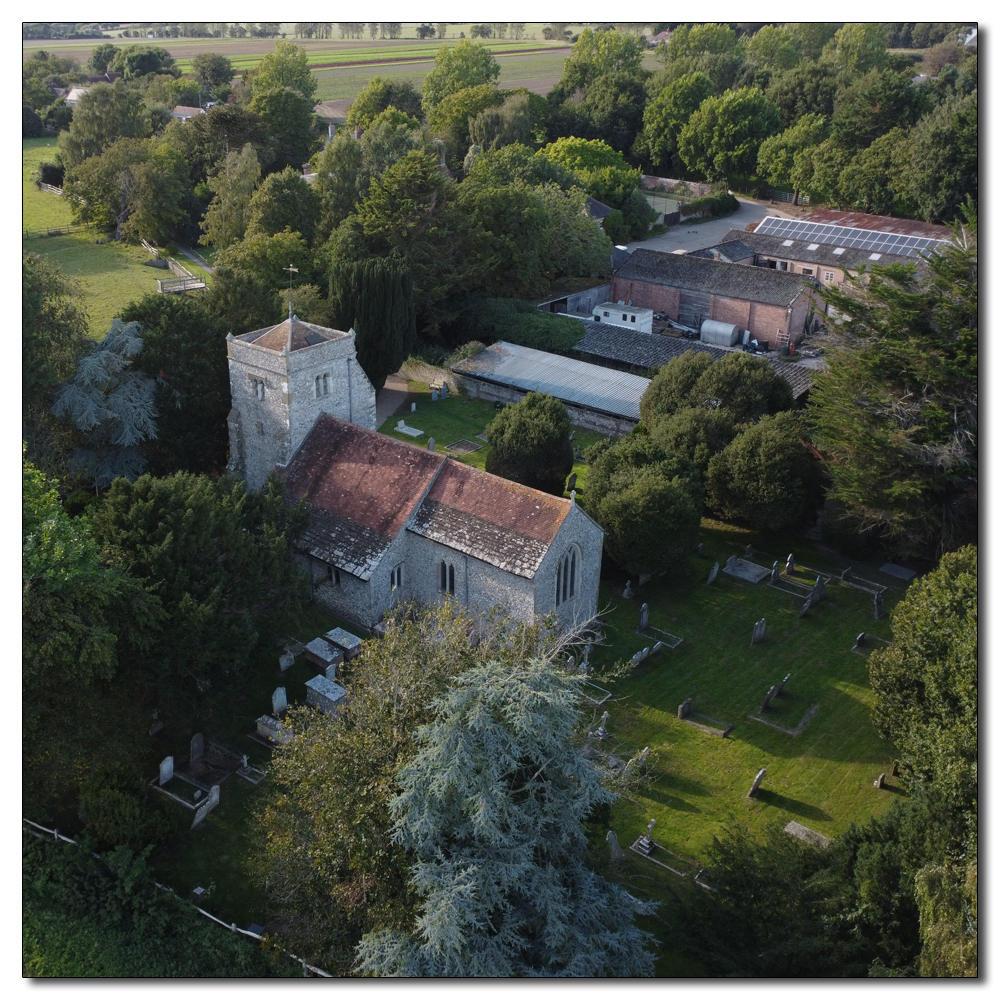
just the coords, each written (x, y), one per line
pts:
(720, 334)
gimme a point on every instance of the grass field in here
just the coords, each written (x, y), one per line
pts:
(110, 274)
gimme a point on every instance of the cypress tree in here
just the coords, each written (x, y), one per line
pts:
(375, 297)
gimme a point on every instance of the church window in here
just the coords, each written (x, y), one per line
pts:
(451, 579)
(447, 578)
(566, 577)
(257, 387)
(333, 575)
(326, 385)
(319, 386)
(396, 577)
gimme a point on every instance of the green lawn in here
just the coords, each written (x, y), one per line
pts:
(111, 274)
(459, 418)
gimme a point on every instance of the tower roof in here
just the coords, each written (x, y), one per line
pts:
(292, 333)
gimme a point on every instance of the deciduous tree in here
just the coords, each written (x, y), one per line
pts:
(233, 185)
(464, 65)
(284, 200)
(379, 94)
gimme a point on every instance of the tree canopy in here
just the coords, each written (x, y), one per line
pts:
(529, 443)
(468, 64)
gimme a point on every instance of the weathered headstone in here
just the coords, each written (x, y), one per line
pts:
(879, 608)
(731, 562)
(434, 394)
(819, 588)
(166, 769)
(641, 759)
(758, 631)
(699, 548)
(444, 390)
(879, 782)
(781, 686)
(790, 564)
(756, 783)
(644, 578)
(628, 593)
(571, 482)
(206, 807)
(645, 842)
(244, 762)
(657, 648)
(279, 701)
(157, 723)
(775, 572)
(805, 607)
(400, 425)
(197, 747)
(413, 407)
(643, 617)
(614, 847)
(285, 661)
(748, 552)
(602, 733)
(684, 708)
(860, 639)
(771, 692)
(713, 573)
(430, 444)
(585, 662)
(331, 672)
(895, 769)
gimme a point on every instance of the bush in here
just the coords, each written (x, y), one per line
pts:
(31, 124)
(51, 173)
(517, 322)
(529, 443)
(711, 205)
(765, 477)
(647, 500)
(615, 227)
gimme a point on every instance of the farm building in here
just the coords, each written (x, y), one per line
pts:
(632, 350)
(774, 306)
(599, 398)
(631, 317)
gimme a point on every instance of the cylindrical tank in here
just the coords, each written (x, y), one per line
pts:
(720, 334)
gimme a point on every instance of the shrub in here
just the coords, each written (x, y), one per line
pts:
(529, 443)
(517, 322)
(31, 124)
(710, 205)
(51, 173)
(615, 227)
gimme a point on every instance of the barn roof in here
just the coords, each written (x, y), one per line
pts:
(810, 250)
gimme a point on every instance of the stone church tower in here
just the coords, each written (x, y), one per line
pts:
(281, 379)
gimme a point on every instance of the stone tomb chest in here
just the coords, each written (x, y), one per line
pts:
(324, 694)
(350, 644)
(322, 653)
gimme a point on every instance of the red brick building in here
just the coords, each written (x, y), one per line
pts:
(774, 306)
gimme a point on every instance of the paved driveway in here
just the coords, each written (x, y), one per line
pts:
(707, 234)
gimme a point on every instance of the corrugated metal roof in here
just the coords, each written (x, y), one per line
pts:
(574, 382)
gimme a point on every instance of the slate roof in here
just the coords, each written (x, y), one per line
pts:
(362, 488)
(774, 246)
(734, 281)
(597, 209)
(652, 350)
(733, 249)
(275, 338)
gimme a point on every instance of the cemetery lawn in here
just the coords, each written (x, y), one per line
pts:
(460, 418)
(111, 274)
(699, 782)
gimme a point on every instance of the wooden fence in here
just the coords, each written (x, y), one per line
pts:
(30, 234)
(49, 187)
(179, 284)
(37, 830)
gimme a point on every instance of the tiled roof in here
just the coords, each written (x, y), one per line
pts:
(360, 487)
(653, 350)
(275, 338)
(186, 112)
(878, 223)
(733, 249)
(734, 281)
(774, 246)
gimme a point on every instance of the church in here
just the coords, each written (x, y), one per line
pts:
(391, 522)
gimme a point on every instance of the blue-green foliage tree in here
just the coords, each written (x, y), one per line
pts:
(492, 808)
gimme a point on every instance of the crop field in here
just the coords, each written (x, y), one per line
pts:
(110, 274)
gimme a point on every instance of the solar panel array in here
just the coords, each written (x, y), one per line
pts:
(844, 236)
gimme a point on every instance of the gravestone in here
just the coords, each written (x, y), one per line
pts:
(571, 663)
(198, 894)
(895, 770)
(643, 617)
(772, 691)
(860, 639)
(805, 607)
(699, 548)
(430, 444)
(444, 390)
(748, 552)
(157, 723)
(684, 708)
(781, 686)
(640, 761)
(602, 732)
(244, 762)
(400, 425)
(585, 662)
(413, 407)
(331, 672)
(879, 609)
(434, 394)
(756, 783)
(628, 593)
(197, 747)
(166, 769)
(645, 842)
(614, 847)
(819, 589)
(775, 572)
(285, 661)
(206, 807)
(758, 632)
(790, 564)
(730, 562)
(713, 573)
(571, 482)
(279, 701)
(657, 648)
(879, 782)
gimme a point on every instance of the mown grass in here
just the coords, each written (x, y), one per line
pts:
(110, 274)
(457, 418)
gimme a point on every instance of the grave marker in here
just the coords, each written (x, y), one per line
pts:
(748, 552)
(628, 593)
(444, 390)
(279, 701)
(805, 607)
(434, 394)
(285, 661)
(571, 482)
(781, 686)
(774, 572)
(197, 747)
(772, 691)
(879, 609)
(699, 548)
(895, 769)
(756, 783)
(758, 632)
(645, 843)
(790, 564)
(601, 732)
(166, 770)
(413, 407)
(616, 852)
(713, 573)
(585, 662)
(684, 708)
(879, 782)
(206, 807)
(430, 444)
(860, 639)
(643, 617)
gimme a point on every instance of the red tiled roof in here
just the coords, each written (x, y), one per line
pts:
(503, 503)
(275, 338)
(368, 478)
(878, 223)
